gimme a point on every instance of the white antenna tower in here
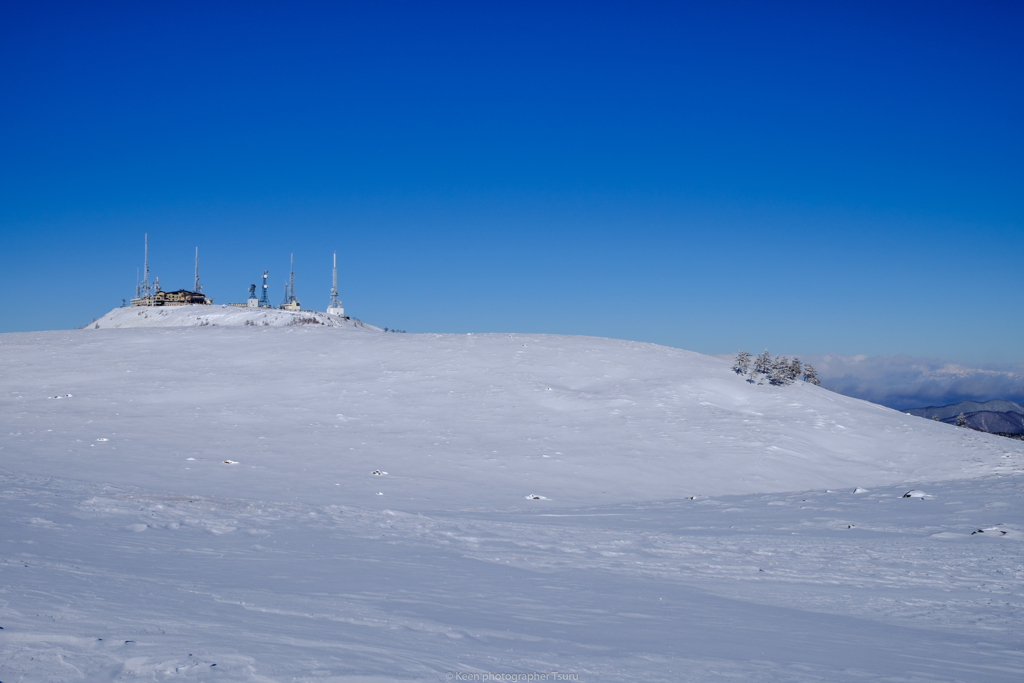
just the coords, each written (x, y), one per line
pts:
(196, 287)
(143, 287)
(334, 308)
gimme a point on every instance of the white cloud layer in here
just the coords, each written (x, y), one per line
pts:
(911, 382)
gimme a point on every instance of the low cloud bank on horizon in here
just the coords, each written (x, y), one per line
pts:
(904, 382)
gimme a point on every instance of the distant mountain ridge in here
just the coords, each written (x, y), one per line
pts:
(954, 409)
(994, 417)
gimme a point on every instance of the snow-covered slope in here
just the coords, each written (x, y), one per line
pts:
(219, 316)
(456, 421)
(298, 502)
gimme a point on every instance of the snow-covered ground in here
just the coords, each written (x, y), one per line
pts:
(303, 503)
(220, 316)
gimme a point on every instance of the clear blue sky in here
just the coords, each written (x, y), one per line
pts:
(810, 177)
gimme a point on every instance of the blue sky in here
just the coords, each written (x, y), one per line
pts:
(810, 177)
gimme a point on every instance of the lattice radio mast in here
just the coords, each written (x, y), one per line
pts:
(265, 297)
(291, 281)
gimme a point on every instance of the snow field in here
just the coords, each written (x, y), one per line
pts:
(150, 586)
(230, 502)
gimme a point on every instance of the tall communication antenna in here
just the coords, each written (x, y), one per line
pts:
(291, 281)
(290, 302)
(265, 297)
(196, 287)
(334, 307)
(144, 285)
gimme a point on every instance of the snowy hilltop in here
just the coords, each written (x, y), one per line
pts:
(477, 419)
(294, 503)
(221, 316)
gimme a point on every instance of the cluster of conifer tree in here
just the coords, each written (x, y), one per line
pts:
(777, 370)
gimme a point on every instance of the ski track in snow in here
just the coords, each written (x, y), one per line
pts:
(685, 531)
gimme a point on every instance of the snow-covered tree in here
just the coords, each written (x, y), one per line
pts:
(796, 368)
(961, 420)
(742, 364)
(762, 364)
(779, 373)
(811, 375)
(761, 368)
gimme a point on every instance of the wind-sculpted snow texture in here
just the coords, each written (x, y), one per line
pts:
(303, 503)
